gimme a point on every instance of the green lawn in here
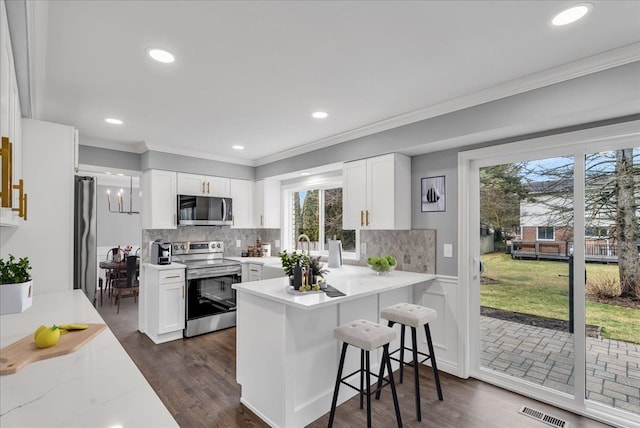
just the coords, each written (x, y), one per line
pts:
(535, 287)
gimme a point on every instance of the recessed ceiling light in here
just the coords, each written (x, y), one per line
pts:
(237, 147)
(572, 14)
(113, 121)
(305, 173)
(161, 55)
(319, 114)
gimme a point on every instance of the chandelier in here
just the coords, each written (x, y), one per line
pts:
(121, 201)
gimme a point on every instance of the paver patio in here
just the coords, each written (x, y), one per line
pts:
(545, 357)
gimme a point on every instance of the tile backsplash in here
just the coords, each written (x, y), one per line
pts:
(415, 250)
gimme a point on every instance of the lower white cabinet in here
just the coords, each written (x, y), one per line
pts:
(164, 302)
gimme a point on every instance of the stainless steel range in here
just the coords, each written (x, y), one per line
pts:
(211, 302)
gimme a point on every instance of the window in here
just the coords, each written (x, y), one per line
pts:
(316, 211)
(545, 233)
(596, 232)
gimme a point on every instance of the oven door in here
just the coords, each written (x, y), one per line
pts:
(211, 295)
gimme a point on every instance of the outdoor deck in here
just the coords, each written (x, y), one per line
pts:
(551, 250)
(545, 357)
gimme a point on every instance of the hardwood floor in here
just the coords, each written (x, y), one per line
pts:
(195, 379)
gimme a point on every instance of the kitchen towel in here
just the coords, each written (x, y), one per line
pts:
(333, 292)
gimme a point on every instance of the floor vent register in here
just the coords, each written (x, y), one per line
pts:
(543, 417)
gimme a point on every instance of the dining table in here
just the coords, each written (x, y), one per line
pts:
(118, 266)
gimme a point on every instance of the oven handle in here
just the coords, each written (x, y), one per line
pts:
(205, 273)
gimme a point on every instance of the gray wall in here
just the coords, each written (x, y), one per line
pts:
(608, 94)
(172, 162)
(114, 228)
(89, 155)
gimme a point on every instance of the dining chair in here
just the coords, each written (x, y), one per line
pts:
(127, 284)
(110, 275)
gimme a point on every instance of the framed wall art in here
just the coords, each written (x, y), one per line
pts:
(433, 194)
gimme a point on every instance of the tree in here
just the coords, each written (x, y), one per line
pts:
(627, 235)
(333, 219)
(501, 189)
(612, 198)
(311, 215)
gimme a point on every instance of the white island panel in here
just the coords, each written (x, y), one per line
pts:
(292, 336)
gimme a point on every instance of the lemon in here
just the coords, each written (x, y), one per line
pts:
(48, 336)
(38, 330)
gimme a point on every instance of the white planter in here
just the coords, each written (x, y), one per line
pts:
(15, 298)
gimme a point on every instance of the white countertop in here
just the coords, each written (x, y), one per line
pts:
(96, 386)
(258, 260)
(354, 281)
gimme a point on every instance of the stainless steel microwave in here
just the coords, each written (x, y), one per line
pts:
(204, 211)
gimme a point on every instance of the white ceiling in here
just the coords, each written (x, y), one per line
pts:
(251, 73)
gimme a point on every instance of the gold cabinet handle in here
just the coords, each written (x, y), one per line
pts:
(261, 220)
(203, 183)
(6, 152)
(183, 291)
(22, 198)
(208, 187)
(367, 218)
(172, 276)
(361, 218)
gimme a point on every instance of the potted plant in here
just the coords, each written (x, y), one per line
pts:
(15, 285)
(317, 269)
(289, 262)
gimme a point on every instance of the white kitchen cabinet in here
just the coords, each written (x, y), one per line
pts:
(254, 271)
(267, 204)
(377, 193)
(10, 114)
(164, 295)
(202, 185)
(159, 199)
(242, 192)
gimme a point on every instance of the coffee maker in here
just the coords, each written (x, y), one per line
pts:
(160, 252)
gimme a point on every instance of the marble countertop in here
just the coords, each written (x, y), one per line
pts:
(354, 281)
(96, 386)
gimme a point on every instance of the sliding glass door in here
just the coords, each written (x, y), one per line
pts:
(548, 316)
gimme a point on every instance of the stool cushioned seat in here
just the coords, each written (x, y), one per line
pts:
(364, 334)
(408, 314)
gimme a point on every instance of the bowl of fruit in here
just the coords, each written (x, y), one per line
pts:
(382, 265)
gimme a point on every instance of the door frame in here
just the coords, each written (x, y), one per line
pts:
(577, 144)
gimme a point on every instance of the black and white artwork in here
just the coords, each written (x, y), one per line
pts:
(433, 194)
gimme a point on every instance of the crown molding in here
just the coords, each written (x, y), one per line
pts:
(200, 154)
(582, 67)
(138, 147)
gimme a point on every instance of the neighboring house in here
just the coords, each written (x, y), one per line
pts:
(546, 231)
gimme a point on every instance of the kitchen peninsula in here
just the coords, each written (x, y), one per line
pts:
(287, 357)
(97, 385)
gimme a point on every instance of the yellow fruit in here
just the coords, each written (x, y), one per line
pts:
(38, 330)
(49, 336)
(74, 326)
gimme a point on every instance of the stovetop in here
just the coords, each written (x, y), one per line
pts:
(202, 263)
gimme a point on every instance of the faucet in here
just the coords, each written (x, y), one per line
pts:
(303, 236)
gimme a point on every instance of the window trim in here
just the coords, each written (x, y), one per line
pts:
(320, 183)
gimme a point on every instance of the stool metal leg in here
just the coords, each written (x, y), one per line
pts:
(337, 387)
(401, 351)
(368, 392)
(432, 356)
(385, 358)
(415, 373)
(361, 375)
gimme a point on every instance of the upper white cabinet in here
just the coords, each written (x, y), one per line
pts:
(10, 122)
(242, 192)
(159, 199)
(202, 185)
(377, 193)
(267, 204)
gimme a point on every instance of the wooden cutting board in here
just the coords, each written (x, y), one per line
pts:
(17, 355)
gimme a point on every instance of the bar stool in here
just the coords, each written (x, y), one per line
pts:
(414, 316)
(367, 336)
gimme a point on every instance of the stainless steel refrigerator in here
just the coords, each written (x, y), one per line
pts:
(85, 243)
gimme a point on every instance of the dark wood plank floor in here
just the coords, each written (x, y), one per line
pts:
(195, 379)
